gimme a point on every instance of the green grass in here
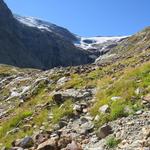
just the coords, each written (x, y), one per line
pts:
(41, 117)
(118, 110)
(123, 86)
(65, 109)
(112, 142)
(20, 113)
(76, 82)
(13, 122)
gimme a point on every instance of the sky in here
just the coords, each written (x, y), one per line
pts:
(88, 17)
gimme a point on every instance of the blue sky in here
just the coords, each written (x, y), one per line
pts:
(88, 17)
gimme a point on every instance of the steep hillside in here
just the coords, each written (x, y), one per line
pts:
(135, 46)
(46, 26)
(99, 106)
(28, 46)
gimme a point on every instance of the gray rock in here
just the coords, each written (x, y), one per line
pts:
(62, 80)
(77, 108)
(104, 131)
(13, 131)
(87, 127)
(27, 142)
(139, 112)
(62, 124)
(48, 145)
(97, 118)
(104, 109)
(17, 148)
(115, 98)
(138, 91)
(74, 146)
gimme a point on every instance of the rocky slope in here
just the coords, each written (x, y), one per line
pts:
(25, 45)
(89, 107)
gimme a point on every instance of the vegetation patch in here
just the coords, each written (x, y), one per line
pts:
(112, 142)
(120, 91)
(66, 109)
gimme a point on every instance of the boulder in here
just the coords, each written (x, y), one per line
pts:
(48, 145)
(26, 142)
(146, 131)
(104, 109)
(87, 127)
(147, 98)
(77, 108)
(16, 148)
(62, 80)
(63, 142)
(57, 98)
(104, 131)
(74, 146)
(41, 137)
(62, 124)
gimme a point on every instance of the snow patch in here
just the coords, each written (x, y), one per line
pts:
(34, 22)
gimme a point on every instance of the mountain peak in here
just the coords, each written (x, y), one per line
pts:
(4, 10)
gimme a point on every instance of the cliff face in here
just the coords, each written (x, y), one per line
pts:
(25, 46)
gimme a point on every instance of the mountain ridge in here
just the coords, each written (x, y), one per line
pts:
(25, 46)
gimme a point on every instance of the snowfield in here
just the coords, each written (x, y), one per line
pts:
(91, 42)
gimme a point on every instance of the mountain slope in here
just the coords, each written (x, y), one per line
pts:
(104, 105)
(26, 46)
(132, 47)
(43, 25)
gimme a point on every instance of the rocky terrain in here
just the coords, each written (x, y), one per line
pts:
(100, 106)
(89, 107)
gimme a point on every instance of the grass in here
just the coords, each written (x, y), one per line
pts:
(122, 86)
(41, 117)
(13, 122)
(118, 110)
(66, 109)
(111, 80)
(112, 142)
(20, 113)
(76, 82)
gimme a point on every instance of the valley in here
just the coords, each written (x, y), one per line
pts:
(60, 91)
